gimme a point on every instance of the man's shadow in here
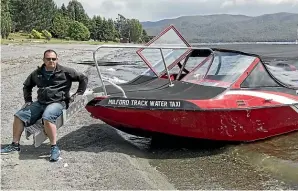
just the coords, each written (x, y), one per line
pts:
(98, 138)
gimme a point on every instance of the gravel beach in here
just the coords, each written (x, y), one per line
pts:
(96, 156)
(92, 156)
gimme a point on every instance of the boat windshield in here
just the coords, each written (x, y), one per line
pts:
(170, 57)
(287, 73)
(170, 37)
(222, 71)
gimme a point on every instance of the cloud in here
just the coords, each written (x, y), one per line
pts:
(160, 9)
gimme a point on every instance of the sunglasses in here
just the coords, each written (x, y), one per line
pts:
(50, 59)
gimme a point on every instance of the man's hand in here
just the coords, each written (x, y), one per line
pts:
(73, 97)
(26, 104)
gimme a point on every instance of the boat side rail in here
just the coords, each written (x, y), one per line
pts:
(140, 47)
(115, 85)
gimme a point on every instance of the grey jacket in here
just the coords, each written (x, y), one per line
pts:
(57, 88)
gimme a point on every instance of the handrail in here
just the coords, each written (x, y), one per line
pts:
(150, 47)
(99, 73)
(118, 87)
(138, 46)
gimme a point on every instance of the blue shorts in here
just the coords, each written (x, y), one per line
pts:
(32, 113)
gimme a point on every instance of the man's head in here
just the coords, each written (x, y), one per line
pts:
(50, 59)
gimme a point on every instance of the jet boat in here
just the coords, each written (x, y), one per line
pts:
(204, 93)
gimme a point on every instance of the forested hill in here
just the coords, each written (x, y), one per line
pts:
(231, 28)
(44, 19)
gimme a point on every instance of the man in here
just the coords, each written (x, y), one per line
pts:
(53, 82)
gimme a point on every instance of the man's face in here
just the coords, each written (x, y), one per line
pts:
(50, 60)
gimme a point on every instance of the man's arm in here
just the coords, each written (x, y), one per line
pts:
(27, 89)
(81, 78)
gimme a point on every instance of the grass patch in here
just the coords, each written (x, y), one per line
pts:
(23, 38)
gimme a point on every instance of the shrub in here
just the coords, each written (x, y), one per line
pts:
(36, 34)
(47, 34)
(116, 40)
(78, 31)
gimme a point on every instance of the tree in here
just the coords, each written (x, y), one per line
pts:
(76, 12)
(111, 31)
(96, 28)
(43, 14)
(78, 31)
(135, 30)
(60, 26)
(122, 26)
(64, 10)
(91, 28)
(6, 22)
(32, 14)
(104, 30)
(145, 37)
(18, 11)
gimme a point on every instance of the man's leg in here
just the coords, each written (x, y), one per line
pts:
(51, 131)
(50, 115)
(24, 117)
(18, 128)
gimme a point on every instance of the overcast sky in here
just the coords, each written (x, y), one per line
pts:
(153, 10)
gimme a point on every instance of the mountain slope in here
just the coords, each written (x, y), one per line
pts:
(231, 28)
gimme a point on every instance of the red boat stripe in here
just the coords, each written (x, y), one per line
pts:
(274, 97)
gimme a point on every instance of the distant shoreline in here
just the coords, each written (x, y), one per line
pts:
(222, 43)
(9, 42)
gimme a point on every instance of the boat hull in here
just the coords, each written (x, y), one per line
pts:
(248, 124)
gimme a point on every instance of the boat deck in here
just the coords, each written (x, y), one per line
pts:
(155, 88)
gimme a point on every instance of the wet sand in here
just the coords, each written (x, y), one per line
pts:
(96, 156)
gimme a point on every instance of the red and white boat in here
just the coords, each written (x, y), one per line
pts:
(204, 93)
